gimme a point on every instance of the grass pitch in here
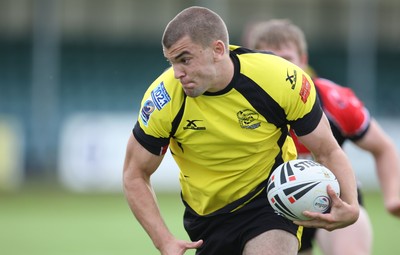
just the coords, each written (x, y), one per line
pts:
(42, 220)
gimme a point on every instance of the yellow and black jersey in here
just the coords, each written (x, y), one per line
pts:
(226, 143)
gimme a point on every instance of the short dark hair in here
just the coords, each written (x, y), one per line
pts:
(202, 25)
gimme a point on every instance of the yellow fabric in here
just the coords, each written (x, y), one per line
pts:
(223, 146)
(299, 235)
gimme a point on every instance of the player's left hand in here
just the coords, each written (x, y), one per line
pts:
(341, 214)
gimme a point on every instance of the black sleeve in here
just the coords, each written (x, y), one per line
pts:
(157, 146)
(309, 122)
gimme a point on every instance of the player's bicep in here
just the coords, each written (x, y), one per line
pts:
(320, 141)
(139, 162)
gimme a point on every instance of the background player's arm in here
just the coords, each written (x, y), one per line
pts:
(138, 167)
(327, 151)
(387, 163)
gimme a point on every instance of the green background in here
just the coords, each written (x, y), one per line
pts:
(42, 220)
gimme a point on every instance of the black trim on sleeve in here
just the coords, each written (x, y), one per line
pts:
(150, 143)
(158, 146)
(309, 122)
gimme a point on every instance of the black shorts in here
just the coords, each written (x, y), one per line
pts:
(309, 233)
(227, 234)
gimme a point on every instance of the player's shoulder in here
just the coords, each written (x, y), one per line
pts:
(334, 91)
(165, 93)
(162, 101)
(345, 109)
(166, 85)
(327, 84)
(252, 54)
(263, 64)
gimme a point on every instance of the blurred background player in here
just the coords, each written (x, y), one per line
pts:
(349, 120)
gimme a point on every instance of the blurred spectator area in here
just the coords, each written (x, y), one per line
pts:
(61, 57)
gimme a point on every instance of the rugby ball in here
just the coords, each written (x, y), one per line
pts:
(300, 185)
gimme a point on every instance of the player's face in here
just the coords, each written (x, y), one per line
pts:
(194, 66)
(289, 52)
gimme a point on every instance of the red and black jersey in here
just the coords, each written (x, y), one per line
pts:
(348, 117)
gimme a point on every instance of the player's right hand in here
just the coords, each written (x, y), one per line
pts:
(341, 215)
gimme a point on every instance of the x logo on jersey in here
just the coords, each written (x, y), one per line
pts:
(291, 78)
(192, 125)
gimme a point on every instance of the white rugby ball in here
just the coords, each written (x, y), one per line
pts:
(300, 185)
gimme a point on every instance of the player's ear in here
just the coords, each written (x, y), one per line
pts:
(218, 49)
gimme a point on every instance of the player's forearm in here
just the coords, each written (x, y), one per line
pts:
(388, 172)
(142, 202)
(339, 164)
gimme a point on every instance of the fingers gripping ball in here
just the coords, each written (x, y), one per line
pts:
(301, 185)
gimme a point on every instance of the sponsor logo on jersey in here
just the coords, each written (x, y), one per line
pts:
(147, 109)
(193, 125)
(248, 119)
(292, 78)
(305, 89)
(160, 96)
